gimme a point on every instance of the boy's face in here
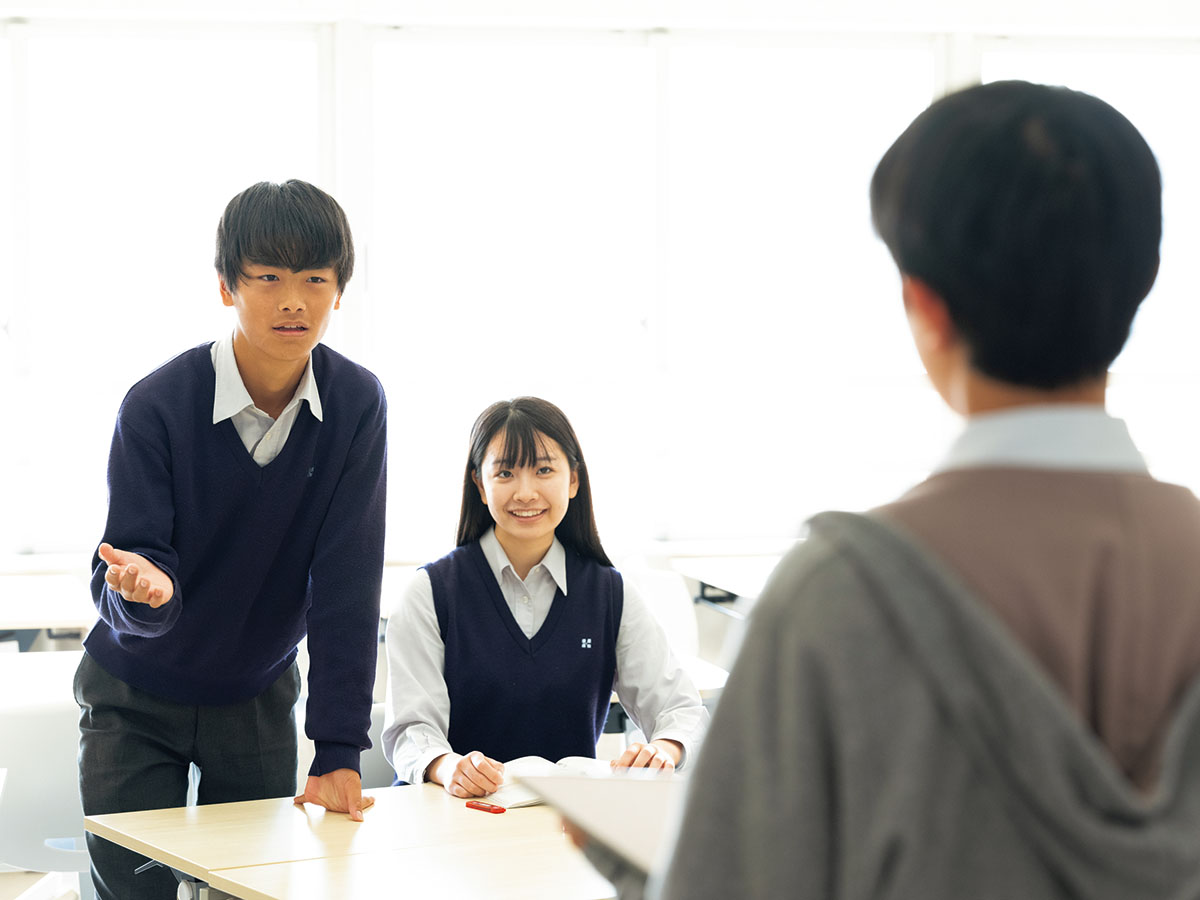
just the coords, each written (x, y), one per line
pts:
(281, 314)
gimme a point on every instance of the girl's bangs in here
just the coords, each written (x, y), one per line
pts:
(523, 444)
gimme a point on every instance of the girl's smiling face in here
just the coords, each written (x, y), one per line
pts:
(526, 502)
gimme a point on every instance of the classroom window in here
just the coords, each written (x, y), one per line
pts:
(786, 359)
(10, 252)
(134, 140)
(512, 244)
(666, 233)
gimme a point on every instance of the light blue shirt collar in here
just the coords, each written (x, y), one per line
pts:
(231, 396)
(554, 562)
(1080, 437)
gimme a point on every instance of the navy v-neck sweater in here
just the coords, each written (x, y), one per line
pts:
(260, 556)
(513, 696)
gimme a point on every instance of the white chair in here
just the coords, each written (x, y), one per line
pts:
(40, 808)
(669, 600)
(377, 772)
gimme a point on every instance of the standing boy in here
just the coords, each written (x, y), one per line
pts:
(989, 688)
(246, 508)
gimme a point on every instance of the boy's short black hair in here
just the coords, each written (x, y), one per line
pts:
(292, 225)
(1035, 212)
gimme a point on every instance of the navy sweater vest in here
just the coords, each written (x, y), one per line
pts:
(513, 696)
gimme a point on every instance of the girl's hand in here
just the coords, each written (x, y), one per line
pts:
(661, 754)
(473, 775)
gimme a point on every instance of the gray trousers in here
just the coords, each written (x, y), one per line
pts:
(135, 752)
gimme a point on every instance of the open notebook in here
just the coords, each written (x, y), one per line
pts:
(629, 812)
(512, 794)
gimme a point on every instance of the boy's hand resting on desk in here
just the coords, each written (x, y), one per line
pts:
(135, 578)
(473, 775)
(660, 754)
(337, 791)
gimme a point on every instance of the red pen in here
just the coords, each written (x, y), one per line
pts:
(485, 807)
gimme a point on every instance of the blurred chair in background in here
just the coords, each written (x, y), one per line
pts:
(41, 817)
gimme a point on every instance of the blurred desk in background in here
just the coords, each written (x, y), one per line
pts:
(59, 605)
(727, 586)
(725, 578)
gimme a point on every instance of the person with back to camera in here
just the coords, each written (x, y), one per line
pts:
(246, 503)
(989, 687)
(511, 645)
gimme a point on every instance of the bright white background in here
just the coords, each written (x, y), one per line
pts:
(654, 216)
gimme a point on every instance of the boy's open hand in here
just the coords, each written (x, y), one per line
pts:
(337, 791)
(135, 578)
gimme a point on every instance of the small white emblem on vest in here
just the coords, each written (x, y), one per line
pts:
(586, 643)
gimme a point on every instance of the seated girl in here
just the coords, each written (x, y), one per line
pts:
(512, 644)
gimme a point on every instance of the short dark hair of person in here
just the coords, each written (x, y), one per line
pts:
(523, 421)
(291, 225)
(1035, 213)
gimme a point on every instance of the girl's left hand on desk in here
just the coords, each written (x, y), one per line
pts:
(654, 755)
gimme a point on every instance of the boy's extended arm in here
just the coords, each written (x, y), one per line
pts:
(343, 615)
(141, 516)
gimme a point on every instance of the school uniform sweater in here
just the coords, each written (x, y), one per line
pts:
(513, 696)
(259, 556)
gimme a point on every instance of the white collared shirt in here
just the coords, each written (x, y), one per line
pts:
(530, 599)
(657, 693)
(1067, 436)
(262, 436)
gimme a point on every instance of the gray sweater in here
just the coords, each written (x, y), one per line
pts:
(883, 735)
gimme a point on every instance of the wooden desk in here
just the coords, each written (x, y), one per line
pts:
(500, 869)
(56, 602)
(416, 840)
